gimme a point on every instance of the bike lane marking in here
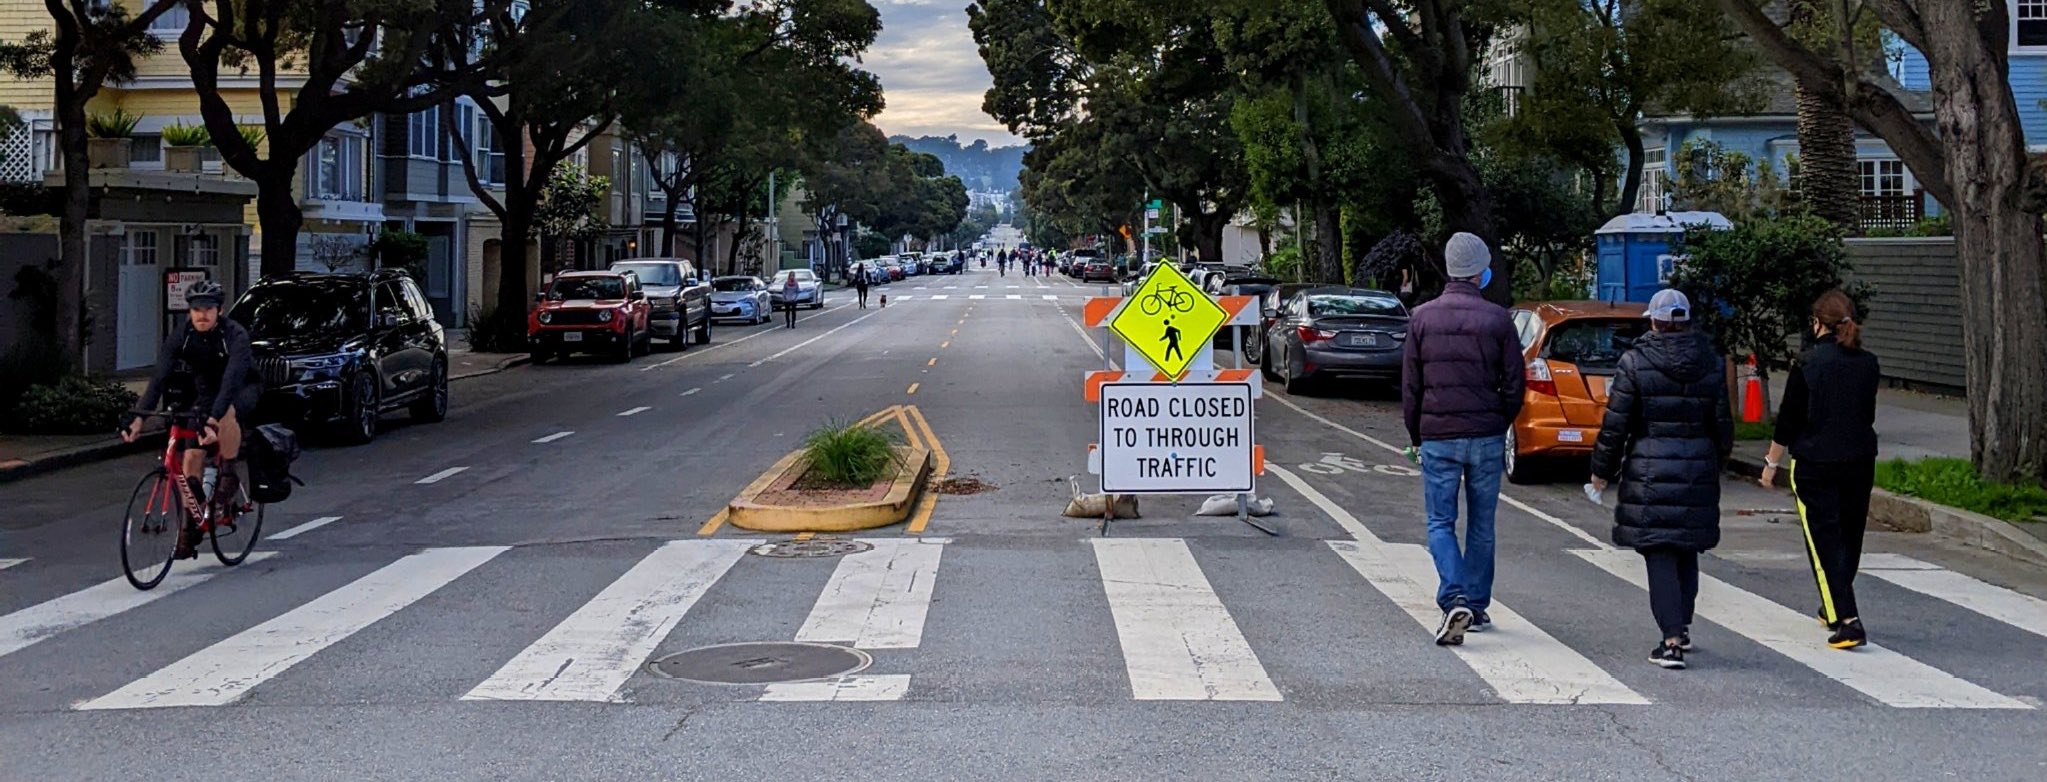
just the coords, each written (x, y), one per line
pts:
(8, 563)
(440, 476)
(634, 411)
(42, 620)
(310, 526)
(222, 673)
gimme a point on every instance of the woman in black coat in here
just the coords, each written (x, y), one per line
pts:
(1666, 433)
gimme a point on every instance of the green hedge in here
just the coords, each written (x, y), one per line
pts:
(74, 405)
(1954, 483)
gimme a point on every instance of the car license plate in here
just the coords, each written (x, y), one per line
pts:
(1363, 340)
(1570, 436)
(572, 336)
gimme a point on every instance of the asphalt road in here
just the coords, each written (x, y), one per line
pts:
(495, 622)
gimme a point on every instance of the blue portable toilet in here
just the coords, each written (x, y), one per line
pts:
(1634, 251)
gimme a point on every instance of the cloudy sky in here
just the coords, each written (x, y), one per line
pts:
(930, 73)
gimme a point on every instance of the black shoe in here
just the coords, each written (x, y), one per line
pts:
(1821, 615)
(1848, 635)
(1684, 640)
(1480, 623)
(1668, 655)
(1455, 622)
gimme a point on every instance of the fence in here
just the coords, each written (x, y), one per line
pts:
(1892, 211)
(1915, 309)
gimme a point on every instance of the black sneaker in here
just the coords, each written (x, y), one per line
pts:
(1480, 623)
(1848, 635)
(1667, 655)
(1684, 640)
(1821, 615)
(1455, 622)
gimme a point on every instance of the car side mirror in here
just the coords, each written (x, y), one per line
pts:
(1270, 312)
(387, 320)
(541, 296)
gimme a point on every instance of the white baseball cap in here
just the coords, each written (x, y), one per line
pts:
(1670, 306)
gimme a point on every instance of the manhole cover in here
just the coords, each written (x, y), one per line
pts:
(761, 663)
(819, 547)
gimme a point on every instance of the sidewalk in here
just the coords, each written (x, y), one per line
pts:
(24, 455)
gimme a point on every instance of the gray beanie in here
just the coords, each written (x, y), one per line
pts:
(1466, 256)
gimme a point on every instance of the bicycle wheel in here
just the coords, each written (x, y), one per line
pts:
(233, 542)
(149, 534)
(1182, 301)
(1151, 303)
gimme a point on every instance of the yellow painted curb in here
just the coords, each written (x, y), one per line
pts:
(747, 511)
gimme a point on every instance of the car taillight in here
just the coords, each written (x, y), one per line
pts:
(1311, 335)
(1539, 380)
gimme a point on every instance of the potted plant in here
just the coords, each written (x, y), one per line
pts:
(107, 142)
(183, 145)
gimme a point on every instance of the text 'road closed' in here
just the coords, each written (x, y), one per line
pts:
(1176, 438)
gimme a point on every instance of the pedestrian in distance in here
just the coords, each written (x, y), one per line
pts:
(790, 290)
(1666, 433)
(860, 283)
(1460, 389)
(1828, 423)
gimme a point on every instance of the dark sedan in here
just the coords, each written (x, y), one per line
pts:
(1272, 296)
(1335, 332)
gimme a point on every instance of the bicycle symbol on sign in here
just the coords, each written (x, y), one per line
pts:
(1160, 300)
(1338, 464)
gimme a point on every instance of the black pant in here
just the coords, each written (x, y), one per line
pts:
(863, 296)
(1673, 587)
(792, 314)
(1833, 504)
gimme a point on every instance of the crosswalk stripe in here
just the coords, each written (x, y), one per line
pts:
(1887, 676)
(305, 528)
(940, 297)
(877, 599)
(8, 563)
(107, 598)
(591, 654)
(889, 687)
(223, 672)
(2022, 611)
(1049, 297)
(1517, 659)
(1178, 640)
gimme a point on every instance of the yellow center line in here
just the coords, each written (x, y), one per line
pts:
(945, 344)
(941, 464)
(805, 535)
(932, 363)
(955, 332)
(913, 388)
(711, 527)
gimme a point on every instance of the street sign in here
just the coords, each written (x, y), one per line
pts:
(1156, 229)
(1182, 438)
(1151, 214)
(1156, 204)
(1168, 320)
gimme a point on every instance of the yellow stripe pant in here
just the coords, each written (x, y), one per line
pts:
(1833, 507)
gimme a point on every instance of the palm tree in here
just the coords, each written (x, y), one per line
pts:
(1828, 181)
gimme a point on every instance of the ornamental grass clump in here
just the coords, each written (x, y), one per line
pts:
(849, 456)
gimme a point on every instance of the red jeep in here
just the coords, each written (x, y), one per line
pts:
(597, 311)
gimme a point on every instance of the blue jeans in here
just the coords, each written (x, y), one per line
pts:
(1464, 575)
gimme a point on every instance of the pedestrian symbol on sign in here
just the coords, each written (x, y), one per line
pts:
(1172, 340)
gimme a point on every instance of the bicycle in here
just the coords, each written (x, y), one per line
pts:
(169, 511)
(1175, 299)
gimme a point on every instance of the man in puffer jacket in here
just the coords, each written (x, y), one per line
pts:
(1666, 433)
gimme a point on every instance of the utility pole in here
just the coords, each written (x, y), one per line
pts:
(1144, 255)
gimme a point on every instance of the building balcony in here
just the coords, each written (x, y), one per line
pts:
(1892, 212)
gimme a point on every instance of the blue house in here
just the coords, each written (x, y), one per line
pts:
(1891, 195)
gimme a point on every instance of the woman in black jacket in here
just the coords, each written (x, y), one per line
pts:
(1828, 422)
(1666, 433)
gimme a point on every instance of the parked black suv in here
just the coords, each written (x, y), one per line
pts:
(342, 349)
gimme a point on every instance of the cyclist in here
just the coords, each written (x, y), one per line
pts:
(205, 368)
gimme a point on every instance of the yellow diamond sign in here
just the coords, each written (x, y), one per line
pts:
(1168, 320)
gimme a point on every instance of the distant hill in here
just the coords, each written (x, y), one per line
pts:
(980, 166)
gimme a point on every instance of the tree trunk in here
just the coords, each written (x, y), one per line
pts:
(1328, 243)
(1468, 207)
(277, 212)
(1829, 183)
(671, 206)
(515, 294)
(1327, 256)
(1631, 183)
(71, 255)
(1208, 234)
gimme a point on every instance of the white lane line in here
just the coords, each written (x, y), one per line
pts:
(727, 376)
(1091, 344)
(1887, 676)
(551, 438)
(305, 528)
(801, 345)
(691, 392)
(1521, 662)
(889, 687)
(8, 563)
(1049, 297)
(635, 411)
(940, 297)
(1011, 287)
(905, 296)
(2019, 610)
(99, 601)
(977, 297)
(722, 345)
(224, 672)
(440, 476)
(595, 651)
(877, 599)
(980, 287)
(1177, 638)
(1014, 296)
(921, 288)
(1580, 534)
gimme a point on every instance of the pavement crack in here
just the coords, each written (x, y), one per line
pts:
(679, 725)
(1654, 752)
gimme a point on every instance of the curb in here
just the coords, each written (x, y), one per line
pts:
(509, 362)
(747, 512)
(1901, 513)
(86, 454)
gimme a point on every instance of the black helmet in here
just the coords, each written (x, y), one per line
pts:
(204, 293)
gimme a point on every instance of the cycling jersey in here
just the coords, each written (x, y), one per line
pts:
(213, 370)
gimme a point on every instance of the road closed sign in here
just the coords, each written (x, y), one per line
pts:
(1177, 438)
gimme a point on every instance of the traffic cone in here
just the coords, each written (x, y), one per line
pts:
(1752, 394)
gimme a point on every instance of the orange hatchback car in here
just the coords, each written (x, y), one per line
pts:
(1571, 349)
